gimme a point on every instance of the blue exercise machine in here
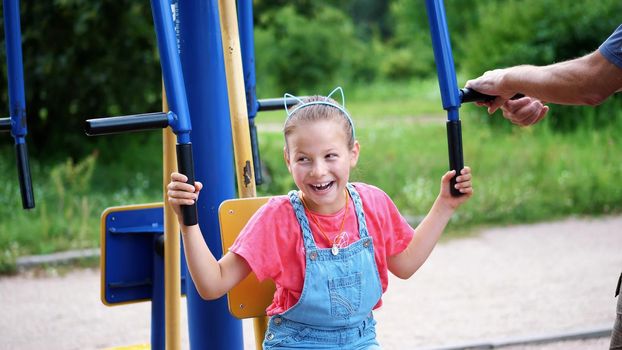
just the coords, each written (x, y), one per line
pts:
(16, 123)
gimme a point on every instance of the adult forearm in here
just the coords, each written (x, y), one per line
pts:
(588, 80)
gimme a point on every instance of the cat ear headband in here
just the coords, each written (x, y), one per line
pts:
(301, 104)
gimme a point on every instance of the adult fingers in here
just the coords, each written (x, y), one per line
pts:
(524, 111)
(496, 104)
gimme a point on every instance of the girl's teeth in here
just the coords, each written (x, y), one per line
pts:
(322, 186)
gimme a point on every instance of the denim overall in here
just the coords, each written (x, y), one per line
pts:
(339, 293)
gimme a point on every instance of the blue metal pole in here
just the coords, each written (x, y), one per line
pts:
(179, 117)
(158, 320)
(444, 58)
(448, 84)
(247, 44)
(210, 324)
(17, 98)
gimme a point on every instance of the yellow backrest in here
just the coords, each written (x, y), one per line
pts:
(249, 298)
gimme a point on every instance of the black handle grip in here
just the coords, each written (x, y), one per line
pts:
(275, 104)
(5, 124)
(23, 172)
(454, 143)
(185, 164)
(126, 123)
(470, 95)
(255, 149)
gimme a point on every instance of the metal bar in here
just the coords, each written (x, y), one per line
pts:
(470, 95)
(5, 124)
(126, 123)
(17, 99)
(247, 44)
(237, 101)
(448, 85)
(276, 104)
(209, 322)
(172, 245)
(176, 90)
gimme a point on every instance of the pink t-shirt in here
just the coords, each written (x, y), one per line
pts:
(272, 243)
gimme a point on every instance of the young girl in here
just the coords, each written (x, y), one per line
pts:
(327, 246)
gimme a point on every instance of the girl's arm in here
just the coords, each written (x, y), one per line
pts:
(212, 278)
(406, 263)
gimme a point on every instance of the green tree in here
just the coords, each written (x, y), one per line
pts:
(82, 59)
(542, 32)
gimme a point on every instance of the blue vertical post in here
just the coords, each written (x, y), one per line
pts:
(450, 94)
(210, 324)
(158, 321)
(17, 98)
(247, 44)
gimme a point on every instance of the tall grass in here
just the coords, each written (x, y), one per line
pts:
(68, 207)
(520, 174)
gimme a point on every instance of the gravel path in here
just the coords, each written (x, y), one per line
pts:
(514, 282)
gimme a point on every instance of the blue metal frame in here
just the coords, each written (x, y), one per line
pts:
(17, 99)
(210, 324)
(444, 58)
(133, 262)
(171, 70)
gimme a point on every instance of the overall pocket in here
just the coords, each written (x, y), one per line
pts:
(345, 295)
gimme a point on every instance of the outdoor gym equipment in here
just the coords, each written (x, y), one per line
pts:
(178, 118)
(451, 95)
(16, 123)
(200, 69)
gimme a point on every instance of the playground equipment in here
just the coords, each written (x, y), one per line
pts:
(197, 62)
(16, 123)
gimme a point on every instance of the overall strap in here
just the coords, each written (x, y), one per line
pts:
(299, 210)
(358, 207)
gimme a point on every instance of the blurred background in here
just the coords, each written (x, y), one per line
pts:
(94, 58)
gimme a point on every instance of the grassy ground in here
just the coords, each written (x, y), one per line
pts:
(520, 174)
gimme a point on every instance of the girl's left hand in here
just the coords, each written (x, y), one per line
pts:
(463, 184)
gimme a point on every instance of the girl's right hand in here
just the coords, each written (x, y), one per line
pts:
(180, 193)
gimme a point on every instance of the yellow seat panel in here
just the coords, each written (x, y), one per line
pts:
(249, 298)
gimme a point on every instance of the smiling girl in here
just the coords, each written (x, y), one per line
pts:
(328, 246)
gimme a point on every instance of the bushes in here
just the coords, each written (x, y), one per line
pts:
(306, 54)
(541, 32)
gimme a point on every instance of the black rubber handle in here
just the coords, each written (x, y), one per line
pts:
(23, 172)
(126, 123)
(185, 164)
(454, 143)
(255, 149)
(470, 95)
(5, 124)
(275, 104)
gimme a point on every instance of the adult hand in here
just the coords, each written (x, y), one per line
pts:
(492, 83)
(524, 111)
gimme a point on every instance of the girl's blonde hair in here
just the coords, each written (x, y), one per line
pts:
(308, 111)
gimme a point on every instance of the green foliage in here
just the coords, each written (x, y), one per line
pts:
(542, 32)
(68, 206)
(527, 175)
(301, 54)
(84, 59)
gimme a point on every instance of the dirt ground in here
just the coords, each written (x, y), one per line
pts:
(512, 282)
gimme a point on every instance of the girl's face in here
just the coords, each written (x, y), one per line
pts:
(319, 160)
